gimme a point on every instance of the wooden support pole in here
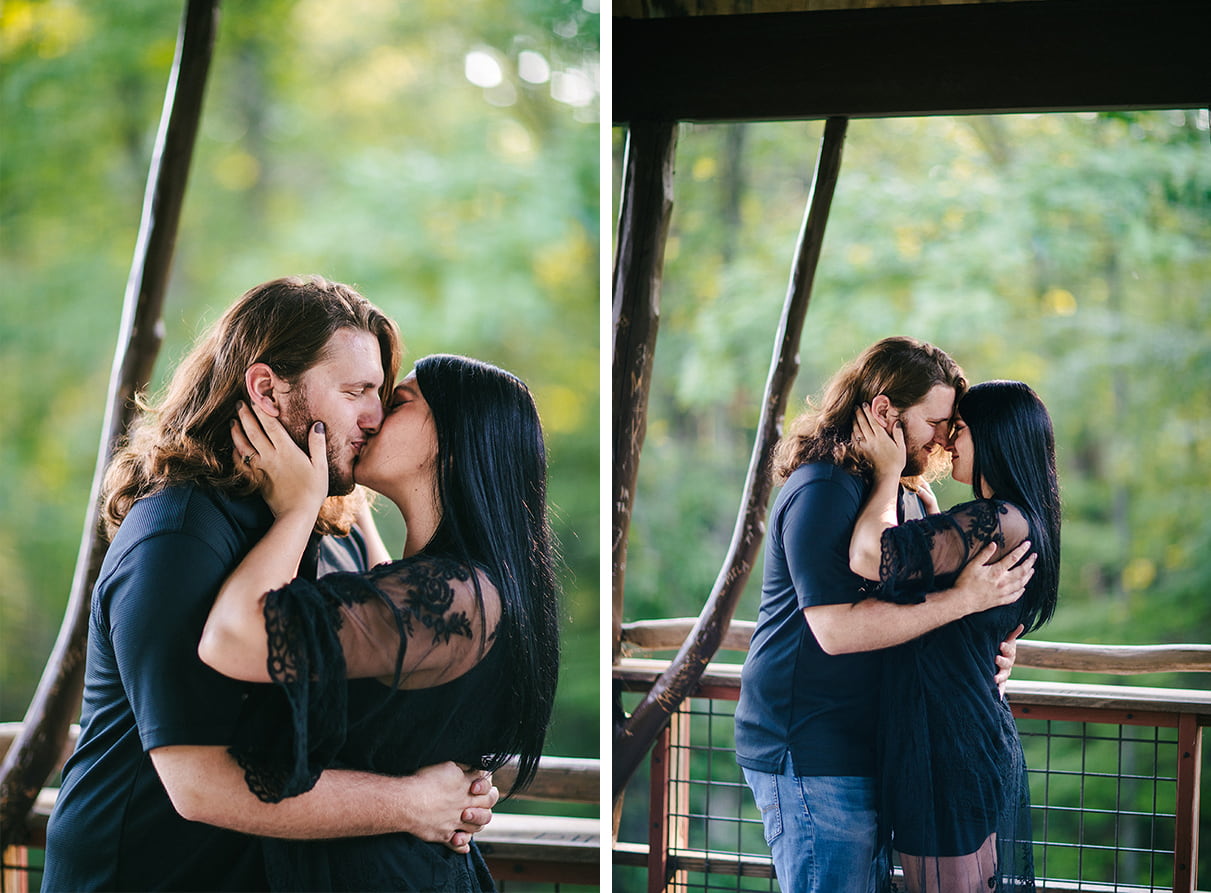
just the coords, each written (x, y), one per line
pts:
(680, 750)
(1189, 766)
(643, 224)
(676, 683)
(57, 700)
(658, 814)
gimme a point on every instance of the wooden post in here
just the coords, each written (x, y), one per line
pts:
(679, 794)
(658, 815)
(14, 869)
(676, 683)
(643, 224)
(1189, 764)
(56, 702)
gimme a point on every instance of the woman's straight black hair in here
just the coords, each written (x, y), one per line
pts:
(492, 488)
(1013, 447)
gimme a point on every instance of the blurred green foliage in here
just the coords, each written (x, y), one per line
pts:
(442, 158)
(1069, 251)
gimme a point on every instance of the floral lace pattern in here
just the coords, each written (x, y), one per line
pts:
(292, 733)
(430, 598)
(927, 555)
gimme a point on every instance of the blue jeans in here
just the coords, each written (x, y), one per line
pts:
(821, 830)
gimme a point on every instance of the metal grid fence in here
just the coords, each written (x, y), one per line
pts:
(1104, 801)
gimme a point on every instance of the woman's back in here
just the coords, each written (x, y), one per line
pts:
(434, 687)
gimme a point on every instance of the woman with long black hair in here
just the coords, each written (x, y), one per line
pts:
(952, 777)
(449, 653)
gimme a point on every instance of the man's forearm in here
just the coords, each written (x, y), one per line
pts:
(443, 803)
(207, 785)
(870, 624)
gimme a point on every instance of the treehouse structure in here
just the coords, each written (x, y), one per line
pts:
(835, 60)
(526, 849)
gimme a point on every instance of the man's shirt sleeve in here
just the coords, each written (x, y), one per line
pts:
(156, 603)
(816, 528)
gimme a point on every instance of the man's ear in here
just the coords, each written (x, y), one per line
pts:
(265, 388)
(882, 409)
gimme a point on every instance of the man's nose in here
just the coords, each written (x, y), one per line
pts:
(372, 416)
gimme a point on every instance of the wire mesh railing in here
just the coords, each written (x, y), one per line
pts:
(1114, 793)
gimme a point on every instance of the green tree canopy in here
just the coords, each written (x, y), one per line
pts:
(1068, 251)
(440, 157)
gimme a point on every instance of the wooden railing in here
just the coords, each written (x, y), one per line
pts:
(528, 848)
(646, 636)
(1045, 710)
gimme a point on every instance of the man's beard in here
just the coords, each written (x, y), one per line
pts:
(296, 418)
(932, 466)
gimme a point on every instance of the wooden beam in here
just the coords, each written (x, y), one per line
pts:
(643, 225)
(658, 814)
(558, 779)
(57, 700)
(1077, 55)
(639, 674)
(1122, 660)
(559, 840)
(1189, 770)
(682, 675)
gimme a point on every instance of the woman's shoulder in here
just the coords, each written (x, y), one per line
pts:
(446, 612)
(992, 520)
(992, 508)
(439, 585)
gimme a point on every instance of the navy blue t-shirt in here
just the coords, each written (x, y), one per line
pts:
(113, 826)
(795, 698)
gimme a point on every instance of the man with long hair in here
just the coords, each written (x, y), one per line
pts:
(152, 798)
(805, 733)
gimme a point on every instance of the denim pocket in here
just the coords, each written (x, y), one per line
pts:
(765, 792)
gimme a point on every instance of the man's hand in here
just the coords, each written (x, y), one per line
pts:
(1006, 659)
(460, 841)
(449, 804)
(983, 585)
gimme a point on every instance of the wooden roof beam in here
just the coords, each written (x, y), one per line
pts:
(1077, 55)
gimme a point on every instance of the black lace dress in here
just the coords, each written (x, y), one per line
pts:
(952, 774)
(435, 687)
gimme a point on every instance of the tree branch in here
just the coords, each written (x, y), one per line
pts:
(56, 702)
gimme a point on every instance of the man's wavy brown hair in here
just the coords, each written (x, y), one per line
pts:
(902, 368)
(186, 434)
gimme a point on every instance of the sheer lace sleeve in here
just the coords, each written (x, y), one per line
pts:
(431, 621)
(924, 556)
(415, 623)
